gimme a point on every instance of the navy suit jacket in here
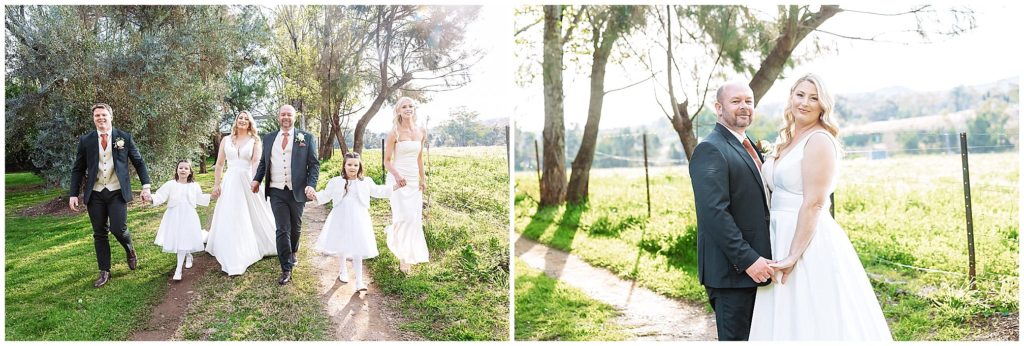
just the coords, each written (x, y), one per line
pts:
(87, 162)
(305, 165)
(732, 213)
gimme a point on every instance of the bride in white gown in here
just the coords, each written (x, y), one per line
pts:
(403, 158)
(821, 291)
(242, 230)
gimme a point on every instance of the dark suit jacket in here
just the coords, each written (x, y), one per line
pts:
(732, 214)
(87, 162)
(305, 165)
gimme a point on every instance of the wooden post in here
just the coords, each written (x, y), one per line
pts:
(383, 168)
(508, 150)
(967, 204)
(832, 204)
(536, 155)
(647, 179)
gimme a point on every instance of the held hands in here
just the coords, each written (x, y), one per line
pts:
(785, 266)
(401, 181)
(310, 193)
(146, 196)
(255, 186)
(761, 270)
(216, 191)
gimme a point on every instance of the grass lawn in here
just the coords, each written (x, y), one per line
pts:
(904, 211)
(547, 309)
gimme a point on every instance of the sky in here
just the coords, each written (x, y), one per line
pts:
(986, 54)
(489, 77)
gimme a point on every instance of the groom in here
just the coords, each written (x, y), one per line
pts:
(733, 244)
(291, 169)
(102, 159)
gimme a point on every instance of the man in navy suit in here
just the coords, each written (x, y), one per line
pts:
(733, 243)
(102, 160)
(291, 169)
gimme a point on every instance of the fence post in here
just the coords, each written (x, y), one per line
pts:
(647, 179)
(832, 204)
(967, 204)
(508, 150)
(383, 168)
(536, 155)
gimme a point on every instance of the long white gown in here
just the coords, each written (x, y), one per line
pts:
(827, 295)
(405, 234)
(348, 230)
(180, 230)
(243, 229)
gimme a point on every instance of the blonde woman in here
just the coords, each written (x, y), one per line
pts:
(403, 158)
(242, 230)
(820, 290)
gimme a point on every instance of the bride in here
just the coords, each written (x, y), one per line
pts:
(403, 158)
(823, 292)
(242, 230)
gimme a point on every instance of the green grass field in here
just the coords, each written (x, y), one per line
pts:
(549, 310)
(898, 212)
(462, 294)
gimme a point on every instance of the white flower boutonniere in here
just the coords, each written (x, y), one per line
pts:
(301, 139)
(119, 143)
(765, 147)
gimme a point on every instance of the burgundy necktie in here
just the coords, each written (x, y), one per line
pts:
(104, 141)
(284, 142)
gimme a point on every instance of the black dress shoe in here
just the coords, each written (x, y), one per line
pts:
(102, 280)
(286, 277)
(133, 260)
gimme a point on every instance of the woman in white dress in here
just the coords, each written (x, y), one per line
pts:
(242, 230)
(403, 158)
(820, 291)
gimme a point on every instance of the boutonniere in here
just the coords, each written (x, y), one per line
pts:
(119, 143)
(765, 147)
(301, 139)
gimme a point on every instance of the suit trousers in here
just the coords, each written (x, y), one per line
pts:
(108, 212)
(734, 308)
(288, 217)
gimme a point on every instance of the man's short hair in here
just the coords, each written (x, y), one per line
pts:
(103, 106)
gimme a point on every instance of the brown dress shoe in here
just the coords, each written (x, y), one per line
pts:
(102, 280)
(286, 277)
(133, 260)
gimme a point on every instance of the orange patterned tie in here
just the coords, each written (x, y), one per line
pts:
(753, 154)
(104, 141)
(284, 142)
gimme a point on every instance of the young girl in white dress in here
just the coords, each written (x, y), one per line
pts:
(348, 231)
(180, 231)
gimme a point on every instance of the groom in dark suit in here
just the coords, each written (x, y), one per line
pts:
(291, 169)
(102, 160)
(733, 244)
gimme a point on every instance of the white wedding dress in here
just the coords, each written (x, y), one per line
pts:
(827, 296)
(243, 229)
(405, 234)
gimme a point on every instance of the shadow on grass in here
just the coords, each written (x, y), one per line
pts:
(546, 310)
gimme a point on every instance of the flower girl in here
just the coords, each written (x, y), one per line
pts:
(180, 231)
(348, 231)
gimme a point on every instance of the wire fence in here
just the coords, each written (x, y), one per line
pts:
(635, 160)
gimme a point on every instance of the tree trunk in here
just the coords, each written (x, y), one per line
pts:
(552, 183)
(683, 125)
(794, 32)
(579, 180)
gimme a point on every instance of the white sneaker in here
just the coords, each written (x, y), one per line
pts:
(343, 274)
(177, 275)
(360, 285)
(188, 261)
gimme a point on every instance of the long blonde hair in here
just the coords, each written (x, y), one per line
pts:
(252, 126)
(827, 103)
(398, 117)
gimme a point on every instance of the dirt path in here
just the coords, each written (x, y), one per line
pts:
(645, 314)
(166, 317)
(363, 316)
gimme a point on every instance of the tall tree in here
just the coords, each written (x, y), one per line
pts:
(415, 50)
(607, 25)
(553, 179)
(161, 68)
